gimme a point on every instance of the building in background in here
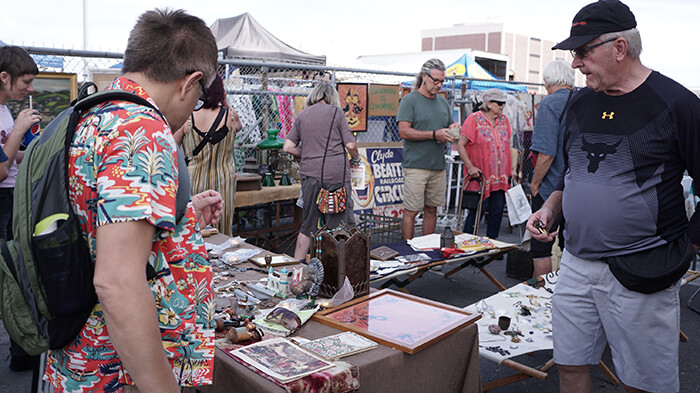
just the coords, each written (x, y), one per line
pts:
(527, 56)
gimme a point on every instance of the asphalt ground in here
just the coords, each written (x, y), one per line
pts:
(464, 288)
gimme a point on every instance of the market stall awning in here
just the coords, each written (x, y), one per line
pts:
(242, 37)
(466, 66)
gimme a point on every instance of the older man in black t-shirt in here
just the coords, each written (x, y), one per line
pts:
(629, 137)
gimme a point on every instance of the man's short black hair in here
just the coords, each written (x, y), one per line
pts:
(167, 45)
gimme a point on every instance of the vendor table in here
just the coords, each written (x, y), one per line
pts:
(274, 234)
(450, 365)
(536, 330)
(401, 278)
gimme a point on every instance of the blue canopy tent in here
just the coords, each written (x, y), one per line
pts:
(45, 61)
(48, 61)
(466, 66)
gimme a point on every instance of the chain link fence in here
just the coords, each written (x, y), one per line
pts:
(270, 95)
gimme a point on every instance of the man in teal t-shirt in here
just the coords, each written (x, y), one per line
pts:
(424, 118)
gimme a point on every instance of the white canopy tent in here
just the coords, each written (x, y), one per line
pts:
(242, 37)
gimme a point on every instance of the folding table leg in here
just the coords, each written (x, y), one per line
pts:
(524, 372)
(608, 373)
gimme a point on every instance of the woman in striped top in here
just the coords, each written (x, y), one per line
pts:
(208, 142)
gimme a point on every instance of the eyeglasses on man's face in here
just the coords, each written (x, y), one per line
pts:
(436, 81)
(203, 96)
(582, 51)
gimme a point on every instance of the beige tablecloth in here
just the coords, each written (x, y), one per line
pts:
(450, 365)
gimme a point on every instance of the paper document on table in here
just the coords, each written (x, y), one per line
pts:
(281, 359)
(425, 242)
(339, 345)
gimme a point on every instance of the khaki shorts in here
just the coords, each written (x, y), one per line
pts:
(423, 187)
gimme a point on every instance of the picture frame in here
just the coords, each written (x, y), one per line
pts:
(398, 320)
(53, 92)
(104, 78)
(354, 103)
(383, 253)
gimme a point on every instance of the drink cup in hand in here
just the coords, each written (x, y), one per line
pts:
(32, 133)
(34, 130)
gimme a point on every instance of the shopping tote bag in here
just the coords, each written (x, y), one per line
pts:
(519, 209)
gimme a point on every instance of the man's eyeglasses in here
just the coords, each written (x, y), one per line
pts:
(203, 98)
(436, 81)
(581, 52)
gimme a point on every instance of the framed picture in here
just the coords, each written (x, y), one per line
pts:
(397, 320)
(53, 92)
(353, 101)
(383, 100)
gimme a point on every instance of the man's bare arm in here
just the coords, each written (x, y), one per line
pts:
(128, 304)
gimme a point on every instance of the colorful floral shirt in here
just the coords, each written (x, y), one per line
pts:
(488, 148)
(123, 168)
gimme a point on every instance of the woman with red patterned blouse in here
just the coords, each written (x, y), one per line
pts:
(484, 146)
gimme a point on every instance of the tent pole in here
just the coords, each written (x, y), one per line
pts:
(266, 104)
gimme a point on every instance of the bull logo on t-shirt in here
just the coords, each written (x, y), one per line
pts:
(597, 152)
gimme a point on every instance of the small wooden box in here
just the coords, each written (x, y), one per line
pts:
(248, 182)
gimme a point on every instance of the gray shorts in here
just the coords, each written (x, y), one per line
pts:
(591, 309)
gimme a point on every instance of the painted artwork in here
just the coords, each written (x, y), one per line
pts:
(281, 359)
(398, 320)
(353, 101)
(53, 92)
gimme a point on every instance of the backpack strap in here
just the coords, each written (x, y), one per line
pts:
(325, 151)
(183, 192)
(566, 105)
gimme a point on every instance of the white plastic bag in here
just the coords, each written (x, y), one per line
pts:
(344, 294)
(519, 209)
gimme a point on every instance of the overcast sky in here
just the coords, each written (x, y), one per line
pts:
(343, 30)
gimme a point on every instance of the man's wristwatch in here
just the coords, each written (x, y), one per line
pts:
(355, 162)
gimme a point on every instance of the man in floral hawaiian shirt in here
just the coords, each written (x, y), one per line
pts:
(157, 333)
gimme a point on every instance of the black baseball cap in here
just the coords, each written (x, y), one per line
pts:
(604, 16)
